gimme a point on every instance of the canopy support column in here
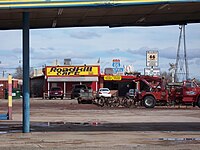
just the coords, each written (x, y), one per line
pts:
(26, 88)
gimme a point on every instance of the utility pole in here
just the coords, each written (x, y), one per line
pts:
(3, 73)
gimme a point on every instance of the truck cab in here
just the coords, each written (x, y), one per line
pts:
(152, 90)
(191, 92)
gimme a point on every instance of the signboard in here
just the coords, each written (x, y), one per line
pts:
(152, 71)
(108, 71)
(118, 70)
(107, 77)
(128, 69)
(72, 71)
(112, 78)
(152, 58)
(116, 63)
(116, 67)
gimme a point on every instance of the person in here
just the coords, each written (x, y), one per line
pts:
(163, 83)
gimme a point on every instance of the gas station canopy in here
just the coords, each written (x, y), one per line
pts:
(84, 13)
(32, 14)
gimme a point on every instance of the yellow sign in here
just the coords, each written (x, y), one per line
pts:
(72, 70)
(112, 78)
(107, 77)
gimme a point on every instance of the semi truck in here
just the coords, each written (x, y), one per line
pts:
(155, 90)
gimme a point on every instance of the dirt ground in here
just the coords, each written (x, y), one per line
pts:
(65, 124)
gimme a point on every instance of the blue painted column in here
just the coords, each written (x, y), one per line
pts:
(26, 91)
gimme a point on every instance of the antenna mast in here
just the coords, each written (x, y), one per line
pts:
(181, 69)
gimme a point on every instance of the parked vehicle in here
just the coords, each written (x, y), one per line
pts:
(77, 89)
(154, 90)
(56, 92)
(86, 96)
(103, 92)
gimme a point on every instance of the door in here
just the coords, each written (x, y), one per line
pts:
(189, 92)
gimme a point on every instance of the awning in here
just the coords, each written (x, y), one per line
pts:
(72, 79)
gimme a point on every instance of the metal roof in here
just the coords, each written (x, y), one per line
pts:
(84, 13)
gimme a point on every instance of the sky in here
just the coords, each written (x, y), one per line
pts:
(86, 45)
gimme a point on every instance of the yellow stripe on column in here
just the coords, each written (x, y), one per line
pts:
(9, 101)
(9, 79)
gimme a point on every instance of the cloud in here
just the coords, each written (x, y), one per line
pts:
(47, 49)
(115, 50)
(193, 53)
(197, 61)
(17, 50)
(50, 54)
(84, 35)
(169, 52)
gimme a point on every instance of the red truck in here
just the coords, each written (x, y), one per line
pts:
(155, 90)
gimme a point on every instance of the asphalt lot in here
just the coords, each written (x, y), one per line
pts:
(64, 124)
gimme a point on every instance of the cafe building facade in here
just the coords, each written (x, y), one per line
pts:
(67, 76)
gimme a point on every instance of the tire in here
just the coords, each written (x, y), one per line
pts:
(115, 102)
(101, 102)
(61, 97)
(90, 102)
(79, 101)
(128, 103)
(149, 102)
(123, 101)
(198, 102)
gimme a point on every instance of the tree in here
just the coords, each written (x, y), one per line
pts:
(18, 73)
(167, 76)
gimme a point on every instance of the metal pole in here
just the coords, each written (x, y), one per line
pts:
(48, 88)
(26, 91)
(185, 54)
(65, 90)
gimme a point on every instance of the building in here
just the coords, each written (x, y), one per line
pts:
(67, 76)
(118, 84)
(4, 86)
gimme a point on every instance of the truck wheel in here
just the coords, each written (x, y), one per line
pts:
(149, 102)
(198, 102)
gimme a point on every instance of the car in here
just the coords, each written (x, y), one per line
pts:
(77, 89)
(104, 92)
(56, 92)
(86, 96)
